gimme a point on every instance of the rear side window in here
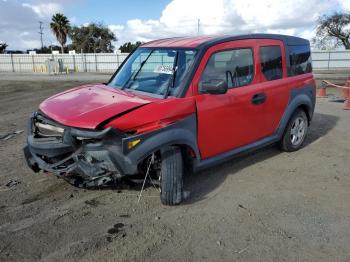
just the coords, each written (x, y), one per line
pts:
(233, 66)
(299, 60)
(271, 62)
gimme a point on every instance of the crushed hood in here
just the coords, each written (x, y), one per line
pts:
(89, 105)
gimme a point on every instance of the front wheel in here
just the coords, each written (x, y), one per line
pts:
(172, 169)
(295, 133)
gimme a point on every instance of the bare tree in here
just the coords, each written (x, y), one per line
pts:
(333, 30)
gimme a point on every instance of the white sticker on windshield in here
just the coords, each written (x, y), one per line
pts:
(164, 69)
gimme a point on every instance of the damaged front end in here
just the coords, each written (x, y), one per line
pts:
(82, 157)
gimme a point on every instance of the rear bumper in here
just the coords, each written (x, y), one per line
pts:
(88, 154)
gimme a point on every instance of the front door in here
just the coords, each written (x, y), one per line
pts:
(231, 120)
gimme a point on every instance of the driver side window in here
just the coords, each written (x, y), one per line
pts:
(236, 67)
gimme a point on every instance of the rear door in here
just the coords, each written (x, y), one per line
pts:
(274, 81)
(236, 118)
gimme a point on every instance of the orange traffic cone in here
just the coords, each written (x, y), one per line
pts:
(321, 92)
(347, 104)
(346, 91)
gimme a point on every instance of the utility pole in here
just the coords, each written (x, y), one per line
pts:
(198, 21)
(41, 34)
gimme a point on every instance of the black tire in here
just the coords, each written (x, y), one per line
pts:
(172, 169)
(286, 143)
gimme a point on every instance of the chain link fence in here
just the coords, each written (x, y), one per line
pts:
(108, 63)
(48, 63)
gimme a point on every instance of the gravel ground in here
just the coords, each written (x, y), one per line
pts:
(266, 206)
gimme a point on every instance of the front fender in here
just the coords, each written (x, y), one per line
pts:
(183, 132)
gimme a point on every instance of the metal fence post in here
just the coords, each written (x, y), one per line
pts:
(82, 61)
(33, 63)
(85, 63)
(329, 58)
(96, 62)
(118, 63)
(13, 65)
(74, 66)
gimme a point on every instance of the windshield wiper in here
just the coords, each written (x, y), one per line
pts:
(172, 78)
(134, 75)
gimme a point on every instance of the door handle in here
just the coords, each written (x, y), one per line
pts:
(259, 98)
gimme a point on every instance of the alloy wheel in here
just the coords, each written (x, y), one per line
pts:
(298, 131)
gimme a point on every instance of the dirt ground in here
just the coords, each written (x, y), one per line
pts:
(266, 206)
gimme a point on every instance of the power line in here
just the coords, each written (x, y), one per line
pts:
(41, 28)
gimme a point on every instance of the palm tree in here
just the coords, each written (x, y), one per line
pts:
(60, 27)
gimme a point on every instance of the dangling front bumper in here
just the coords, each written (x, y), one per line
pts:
(93, 157)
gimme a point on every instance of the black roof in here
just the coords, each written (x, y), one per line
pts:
(288, 40)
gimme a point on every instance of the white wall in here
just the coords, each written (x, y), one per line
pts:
(330, 59)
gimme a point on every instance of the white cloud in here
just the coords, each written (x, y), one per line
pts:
(290, 31)
(44, 10)
(180, 17)
(345, 4)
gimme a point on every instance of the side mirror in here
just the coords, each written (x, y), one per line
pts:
(214, 86)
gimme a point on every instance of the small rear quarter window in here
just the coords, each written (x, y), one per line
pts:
(299, 60)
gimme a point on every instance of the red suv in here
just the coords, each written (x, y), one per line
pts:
(177, 104)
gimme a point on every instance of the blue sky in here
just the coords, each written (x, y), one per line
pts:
(137, 20)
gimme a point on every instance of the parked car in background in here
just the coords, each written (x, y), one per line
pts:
(177, 104)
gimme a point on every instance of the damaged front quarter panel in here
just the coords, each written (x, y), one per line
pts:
(96, 157)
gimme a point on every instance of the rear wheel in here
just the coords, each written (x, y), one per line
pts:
(172, 169)
(295, 133)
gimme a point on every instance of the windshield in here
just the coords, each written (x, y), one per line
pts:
(156, 71)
